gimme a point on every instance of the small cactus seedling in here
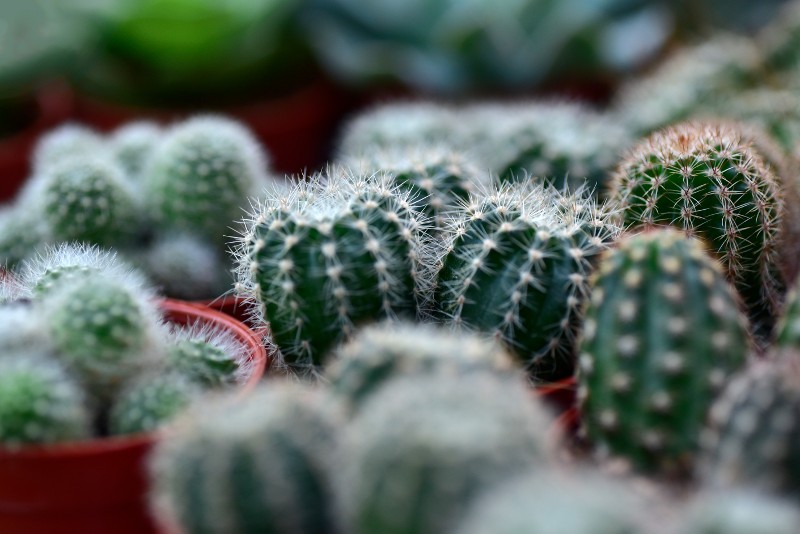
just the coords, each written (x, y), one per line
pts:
(132, 145)
(151, 401)
(337, 251)
(419, 453)
(662, 333)
(754, 430)
(549, 502)
(210, 356)
(64, 143)
(260, 464)
(201, 174)
(707, 180)
(381, 352)
(737, 512)
(39, 402)
(515, 264)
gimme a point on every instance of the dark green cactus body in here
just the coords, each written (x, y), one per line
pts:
(707, 180)
(515, 266)
(753, 438)
(257, 465)
(212, 357)
(662, 333)
(338, 256)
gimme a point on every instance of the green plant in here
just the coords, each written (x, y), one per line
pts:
(210, 356)
(706, 179)
(419, 453)
(662, 333)
(63, 143)
(514, 264)
(260, 464)
(737, 512)
(338, 250)
(132, 145)
(21, 232)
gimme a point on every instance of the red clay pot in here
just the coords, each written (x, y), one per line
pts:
(97, 486)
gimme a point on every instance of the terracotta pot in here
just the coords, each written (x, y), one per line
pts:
(561, 396)
(54, 104)
(97, 486)
(295, 129)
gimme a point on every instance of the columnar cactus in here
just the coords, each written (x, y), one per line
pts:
(707, 180)
(208, 355)
(335, 252)
(259, 464)
(132, 145)
(424, 447)
(201, 174)
(737, 512)
(379, 353)
(754, 430)
(662, 333)
(515, 265)
(39, 402)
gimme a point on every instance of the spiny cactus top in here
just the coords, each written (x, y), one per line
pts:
(381, 352)
(66, 142)
(515, 264)
(201, 175)
(707, 179)
(337, 251)
(753, 437)
(737, 512)
(132, 146)
(662, 332)
(209, 355)
(259, 464)
(424, 447)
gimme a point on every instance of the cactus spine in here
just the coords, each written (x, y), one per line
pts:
(662, 333)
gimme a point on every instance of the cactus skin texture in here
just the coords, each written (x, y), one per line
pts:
(39, 402)
(754, 430)
(259, 464)
(707, 180)
(515, 265)
(378, 353)
(337, 251)
(201, 174)
(662, 333)
(737, 512)
(546, 501)
(210, 356)
(424, 447)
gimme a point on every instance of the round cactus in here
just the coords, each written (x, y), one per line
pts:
(381, 352)
(707, 180)
(338, 251)
(151, 401)
(201, 175)
(260, 464)
(66, 142)
(549, 502)
(39, 402)
(662, 333)
(424, 447)
(21, 232)
(21, 328)
(754, 430)
(88, 199)
(210, 356)
(515, 264)
(738, 512)
(133, 144)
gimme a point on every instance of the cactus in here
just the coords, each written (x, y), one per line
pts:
(21, 232)
(259, 464)
(424, 447)
(151, 401)
(662, 333)
(752, 436)
(21, 328)
(779, 40)
(515, 264)
(39, 402)
(87, 199)
(210, 356)
(64, 143)
(548, 502)
(378, 353)
(132, 145)
(706, 179)
(737, 512)
(788, 329)
(339, 250)
(201, 174)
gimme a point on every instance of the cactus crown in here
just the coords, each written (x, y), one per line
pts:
(133, 144)
(208, 354)
(66, 142)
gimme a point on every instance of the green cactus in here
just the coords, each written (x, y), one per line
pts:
(64, 143)
(151, 401)
(515, 264)
(706, 179)
(337, 251)
(260, 464)
(546, 501)
(378, 353)
(662, 333)
(737, 512)
(21, 327)
(201, 174)
(424, 447)
(21, 232)
(133, 144)
(753, 435)
(39, 402)
(208, 355)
